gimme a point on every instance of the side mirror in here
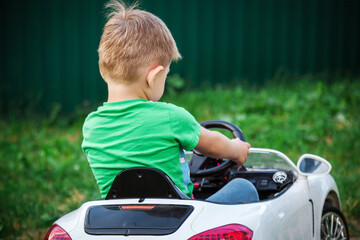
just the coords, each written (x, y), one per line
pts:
(310, 164)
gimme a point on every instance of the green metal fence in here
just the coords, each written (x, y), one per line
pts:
(49, 48)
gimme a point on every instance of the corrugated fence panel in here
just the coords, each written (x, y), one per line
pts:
(49, 48)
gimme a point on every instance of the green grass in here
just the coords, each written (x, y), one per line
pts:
(44, 174)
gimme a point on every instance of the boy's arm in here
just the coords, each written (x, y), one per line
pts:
(216, 145)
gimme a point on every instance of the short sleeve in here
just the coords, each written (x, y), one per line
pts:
(185, 129)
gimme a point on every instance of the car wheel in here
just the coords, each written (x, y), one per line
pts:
(333, 225)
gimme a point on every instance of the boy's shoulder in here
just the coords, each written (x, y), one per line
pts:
(168, 105)
(141, 104)
(174, 109)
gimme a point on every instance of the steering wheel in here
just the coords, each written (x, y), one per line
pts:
(198, 159)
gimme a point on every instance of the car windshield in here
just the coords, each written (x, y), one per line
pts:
(261, 159)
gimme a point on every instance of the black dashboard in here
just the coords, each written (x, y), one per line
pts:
(268, 182)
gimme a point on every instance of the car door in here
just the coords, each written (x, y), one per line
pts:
(293, 214)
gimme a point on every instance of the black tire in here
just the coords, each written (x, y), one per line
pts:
(333, 225)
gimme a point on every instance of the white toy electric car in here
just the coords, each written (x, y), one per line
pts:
(296, 202)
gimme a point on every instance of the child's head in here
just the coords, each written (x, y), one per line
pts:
(133, 40)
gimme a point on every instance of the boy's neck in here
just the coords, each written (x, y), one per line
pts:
(121, 92)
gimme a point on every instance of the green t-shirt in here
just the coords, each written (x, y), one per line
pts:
(139, 133)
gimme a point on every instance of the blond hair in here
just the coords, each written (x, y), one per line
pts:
(132, 39)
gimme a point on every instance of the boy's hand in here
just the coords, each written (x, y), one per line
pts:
(216, 145)
(240, 150)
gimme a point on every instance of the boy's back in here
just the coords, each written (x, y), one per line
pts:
(134, 133)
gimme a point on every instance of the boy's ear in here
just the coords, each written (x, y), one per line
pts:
(152, 74)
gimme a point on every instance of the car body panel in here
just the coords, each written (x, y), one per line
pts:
(293, 214)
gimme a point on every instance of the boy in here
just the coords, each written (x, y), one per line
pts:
(132, 129)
